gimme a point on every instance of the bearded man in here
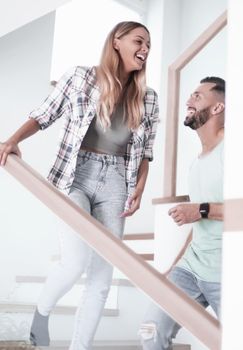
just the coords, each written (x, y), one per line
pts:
(198, 272)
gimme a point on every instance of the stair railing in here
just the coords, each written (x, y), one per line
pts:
(176, 303)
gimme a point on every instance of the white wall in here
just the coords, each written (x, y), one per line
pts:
(232, 296)
(16, 13)
(196, 16)
(25, 57)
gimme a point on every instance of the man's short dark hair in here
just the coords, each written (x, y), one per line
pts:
(219, 83)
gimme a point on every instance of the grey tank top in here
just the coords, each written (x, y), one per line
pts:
(113, 140)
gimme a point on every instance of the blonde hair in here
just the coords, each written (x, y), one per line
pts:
(110, 85)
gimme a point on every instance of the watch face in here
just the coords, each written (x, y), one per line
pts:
(204, 210)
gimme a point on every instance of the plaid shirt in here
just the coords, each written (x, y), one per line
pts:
(75, 99)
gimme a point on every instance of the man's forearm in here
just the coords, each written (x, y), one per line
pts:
(216, 211)
(186, 213)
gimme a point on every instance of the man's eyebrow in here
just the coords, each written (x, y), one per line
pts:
(196, 93)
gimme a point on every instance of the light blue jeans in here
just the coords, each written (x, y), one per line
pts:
(158, 328)
(99, 188)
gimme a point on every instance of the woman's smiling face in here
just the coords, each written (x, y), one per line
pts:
(133, 49)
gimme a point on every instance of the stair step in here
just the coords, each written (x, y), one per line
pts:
(145, 256)
(81, 281)
(115, 345)
(98, 345)
(29, 292)
(6, 307)
(138, 236)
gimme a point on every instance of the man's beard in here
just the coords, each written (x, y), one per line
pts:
(198, 119)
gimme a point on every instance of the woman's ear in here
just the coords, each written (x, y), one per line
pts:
(218, 108)
(116, 44)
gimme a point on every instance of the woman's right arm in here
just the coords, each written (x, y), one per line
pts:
(11, 145)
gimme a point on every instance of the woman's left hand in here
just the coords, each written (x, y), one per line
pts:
(134, 203)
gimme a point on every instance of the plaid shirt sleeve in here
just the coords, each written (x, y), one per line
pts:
(152, 110)
(56, 103)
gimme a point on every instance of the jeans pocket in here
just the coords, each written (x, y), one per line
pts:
(81, 161)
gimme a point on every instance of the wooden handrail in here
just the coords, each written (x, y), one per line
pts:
(176, 303)
(168, 200)
(173, 94)
(200, 42)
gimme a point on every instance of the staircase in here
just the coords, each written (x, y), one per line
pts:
(128, 345)
(20, 306)
(21, 302)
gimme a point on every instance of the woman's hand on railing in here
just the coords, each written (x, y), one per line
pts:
(6, 148)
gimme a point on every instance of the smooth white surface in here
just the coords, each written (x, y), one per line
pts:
(16, 13)
(78, 39)
(196, 16)
(232, 294)
(169, 237)
(234, 104)
(232, 286)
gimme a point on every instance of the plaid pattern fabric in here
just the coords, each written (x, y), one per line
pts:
(74, 98)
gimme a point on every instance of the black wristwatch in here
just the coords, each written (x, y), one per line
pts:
(204, 210)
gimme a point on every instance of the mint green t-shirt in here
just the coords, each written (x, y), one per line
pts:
(203, 255)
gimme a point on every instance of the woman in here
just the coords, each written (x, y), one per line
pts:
(110, 120)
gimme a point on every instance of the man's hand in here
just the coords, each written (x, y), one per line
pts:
(134, 203)
(6, 148)
(185, 213)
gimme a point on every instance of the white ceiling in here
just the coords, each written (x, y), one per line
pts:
(16, 13)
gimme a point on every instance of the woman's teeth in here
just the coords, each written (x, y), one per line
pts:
(141, 57)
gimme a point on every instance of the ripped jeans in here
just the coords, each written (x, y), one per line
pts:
(99, 188)
(158, 328)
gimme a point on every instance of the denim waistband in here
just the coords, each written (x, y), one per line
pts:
(99, 157)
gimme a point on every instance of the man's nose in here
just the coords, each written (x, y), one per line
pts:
(189, 101)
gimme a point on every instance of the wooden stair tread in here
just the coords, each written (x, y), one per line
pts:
(99, 345)
(145, 256)
(138, 236)
(41, 279)
(6, 307)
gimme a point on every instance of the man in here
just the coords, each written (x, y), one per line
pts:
(198, 271)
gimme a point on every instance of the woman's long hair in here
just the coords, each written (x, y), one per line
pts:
(110, 86)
